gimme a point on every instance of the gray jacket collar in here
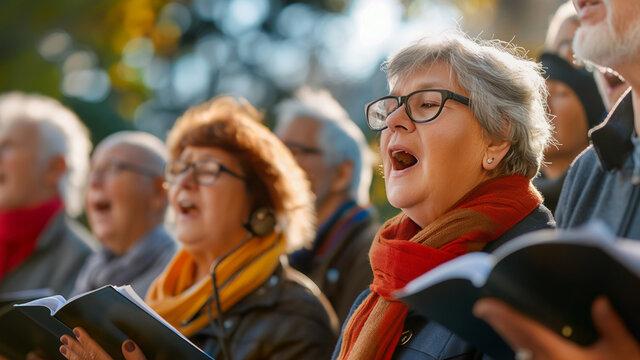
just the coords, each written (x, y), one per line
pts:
(612, 138)
(52, 231)
(56, 229)
(103, 267)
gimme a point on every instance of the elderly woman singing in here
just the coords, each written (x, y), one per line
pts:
(462, 134)
(241, 202)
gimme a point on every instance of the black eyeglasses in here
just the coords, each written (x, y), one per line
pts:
(205, 172)
(421, 106)
(300, 149)
(115, 167)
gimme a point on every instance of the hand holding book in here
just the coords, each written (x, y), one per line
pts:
(533, 340)
(82, 346)
(110, 314)
(551, 276)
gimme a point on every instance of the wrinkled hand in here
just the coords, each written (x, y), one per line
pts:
(530, 337)
(83, 347)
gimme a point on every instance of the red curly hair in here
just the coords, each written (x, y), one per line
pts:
(274, 177)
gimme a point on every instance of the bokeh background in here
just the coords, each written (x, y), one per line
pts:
(123, 64)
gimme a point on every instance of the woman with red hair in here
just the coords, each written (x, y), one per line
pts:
(240, 203)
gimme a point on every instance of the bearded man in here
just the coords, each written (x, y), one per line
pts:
(603, 183)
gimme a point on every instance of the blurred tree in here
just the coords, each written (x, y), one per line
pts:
(139, 63)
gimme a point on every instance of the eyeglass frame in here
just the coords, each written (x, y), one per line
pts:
(300, 149)
(402, 100)
(117, 166)
(192, 165)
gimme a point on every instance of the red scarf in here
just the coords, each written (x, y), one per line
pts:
(402, 251)
(19, 232)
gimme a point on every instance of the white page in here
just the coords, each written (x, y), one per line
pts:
(592, 234)
(53, 303)
(474, 267)
(627, 252)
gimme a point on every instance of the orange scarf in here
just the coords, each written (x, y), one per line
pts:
(181, 299)
(402, 251)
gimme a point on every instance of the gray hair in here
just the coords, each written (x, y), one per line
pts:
(340, 139)
(152, 150)
(565, 12)
(61, 134)
(507, 92)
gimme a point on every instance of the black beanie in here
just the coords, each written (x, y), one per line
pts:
(580, 81)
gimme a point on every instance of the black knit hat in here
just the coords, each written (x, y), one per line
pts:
(580, 81)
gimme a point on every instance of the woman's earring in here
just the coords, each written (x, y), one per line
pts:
(489, 160)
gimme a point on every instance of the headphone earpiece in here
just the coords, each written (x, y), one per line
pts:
(262, 222)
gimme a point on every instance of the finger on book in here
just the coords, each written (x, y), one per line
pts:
(131, 351)
(87, 347)
(611, 327)
(519, 331)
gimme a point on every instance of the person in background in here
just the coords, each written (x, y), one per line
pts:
(601, 184)
(576, 106)
(462, 133)
(126, 202)
(562, 29)
(333, 152)
(241, 202)
(44, 157)
(559, 41)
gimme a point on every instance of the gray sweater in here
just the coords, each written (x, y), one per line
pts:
(603, 182)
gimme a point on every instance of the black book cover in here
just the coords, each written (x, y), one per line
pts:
(551, 276)
(110, 315)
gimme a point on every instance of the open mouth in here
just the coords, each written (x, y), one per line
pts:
(186, 207)
(102, 206)
(586, 3)
(588, 9)
(401, 160)
(613, 80)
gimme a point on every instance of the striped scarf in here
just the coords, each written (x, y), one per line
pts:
(402, 251)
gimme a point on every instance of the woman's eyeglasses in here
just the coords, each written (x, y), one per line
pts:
(205, 172)
(421, 106)
(116, 167)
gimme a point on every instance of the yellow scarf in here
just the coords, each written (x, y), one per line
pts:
(180, 299)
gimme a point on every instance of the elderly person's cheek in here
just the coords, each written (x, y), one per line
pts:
(182, 222)
(384, 152)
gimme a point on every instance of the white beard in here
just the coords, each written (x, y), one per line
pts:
(601, 45)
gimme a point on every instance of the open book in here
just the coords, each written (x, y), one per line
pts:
(552, 276)
(109, 314)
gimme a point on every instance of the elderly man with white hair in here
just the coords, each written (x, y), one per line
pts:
(333, 152)
(126, 202)
(44, 151)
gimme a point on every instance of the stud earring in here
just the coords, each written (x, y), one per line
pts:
(489, 160)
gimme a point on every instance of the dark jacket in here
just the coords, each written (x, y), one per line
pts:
(550, 190)
(344, 271)
(286, 318)
(60, 251)
(425, 340)
(604, 181)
